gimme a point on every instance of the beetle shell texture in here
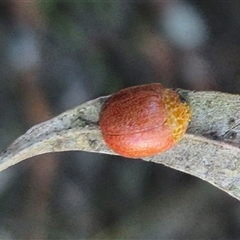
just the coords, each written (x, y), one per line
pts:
(144, 120)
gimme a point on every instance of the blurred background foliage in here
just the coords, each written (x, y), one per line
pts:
(55, 55)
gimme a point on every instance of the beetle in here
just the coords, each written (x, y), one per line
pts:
(144, 120)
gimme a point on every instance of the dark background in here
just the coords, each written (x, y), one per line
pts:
(55, 55)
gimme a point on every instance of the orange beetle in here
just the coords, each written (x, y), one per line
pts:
(144, 120)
